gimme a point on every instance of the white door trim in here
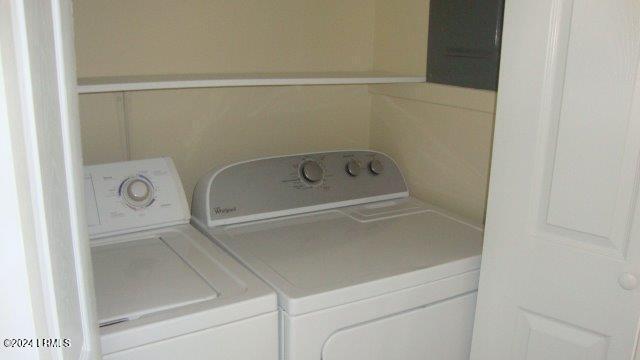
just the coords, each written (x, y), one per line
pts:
(28, 26)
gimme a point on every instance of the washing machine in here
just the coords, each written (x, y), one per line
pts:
(163, 290)
(362, 270)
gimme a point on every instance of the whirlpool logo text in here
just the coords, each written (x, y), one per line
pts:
(224, 210)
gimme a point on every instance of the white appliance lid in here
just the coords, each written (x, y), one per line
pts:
(169, 282)
(143, 276)
(332, 257)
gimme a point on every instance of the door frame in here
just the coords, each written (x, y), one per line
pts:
(32, 311)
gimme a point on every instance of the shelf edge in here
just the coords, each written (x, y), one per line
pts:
(210, 83)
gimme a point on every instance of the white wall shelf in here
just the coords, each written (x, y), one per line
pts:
(156, 82)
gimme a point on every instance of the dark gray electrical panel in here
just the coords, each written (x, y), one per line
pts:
(464, 42)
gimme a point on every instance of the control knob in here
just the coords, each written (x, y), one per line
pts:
(312, 172)
(353, 167)
(137, 192)
(376, 167)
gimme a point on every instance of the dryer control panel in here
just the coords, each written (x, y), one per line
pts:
(131, 196)
(286, 185)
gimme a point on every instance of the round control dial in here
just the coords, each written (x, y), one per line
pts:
(137, 192)
(376, 166)
(311, 172)
(353, 167)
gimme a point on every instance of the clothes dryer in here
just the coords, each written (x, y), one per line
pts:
(362, 270)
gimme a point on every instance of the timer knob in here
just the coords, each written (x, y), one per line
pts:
(138, 190)
(311, 171)
(353, 167)
(376, 166)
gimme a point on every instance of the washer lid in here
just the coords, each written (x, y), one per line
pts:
(143, 276)
(169, 282)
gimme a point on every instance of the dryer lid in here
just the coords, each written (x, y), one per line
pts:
(334, 257)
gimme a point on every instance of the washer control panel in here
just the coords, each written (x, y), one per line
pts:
(269, 187)
(133, 195)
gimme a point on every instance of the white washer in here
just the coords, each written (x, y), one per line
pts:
(163, 290)
(362, 270)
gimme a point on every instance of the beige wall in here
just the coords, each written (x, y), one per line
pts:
(208, 127)
(135, 37)
(400, 36)
(103, 128)
(440, 135)
(204, 128)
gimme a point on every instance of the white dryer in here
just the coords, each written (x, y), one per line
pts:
(163, 290)
(362, 270)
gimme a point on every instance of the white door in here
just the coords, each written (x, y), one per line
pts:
(45, 252)
(561, 258)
